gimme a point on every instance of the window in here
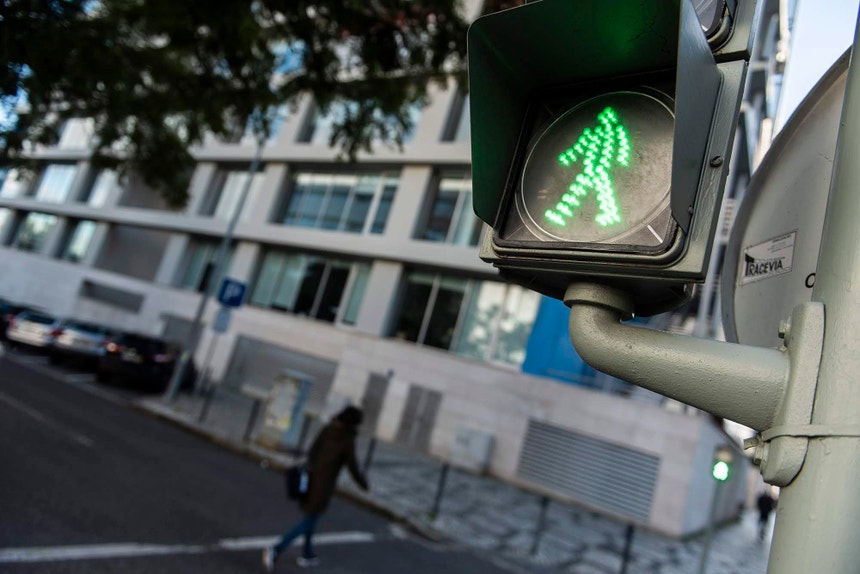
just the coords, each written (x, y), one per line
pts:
(228, 191)
(56, 183)
(200, 260)
(104, 183)
(319, 287)
(5, 216)
(77, 133)
(463, 132)
(14, 183)
(497, 322)
(341, 202)
(321, 127)
(484, 320)
(79, 241)
(33, 230)
(450, 218)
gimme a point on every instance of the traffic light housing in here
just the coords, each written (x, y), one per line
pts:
(601, 133)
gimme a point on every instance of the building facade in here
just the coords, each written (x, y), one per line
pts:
(365, 276)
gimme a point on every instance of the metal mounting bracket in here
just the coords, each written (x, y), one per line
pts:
(781, 449)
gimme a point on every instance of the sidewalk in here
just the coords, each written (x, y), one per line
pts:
(486, 513)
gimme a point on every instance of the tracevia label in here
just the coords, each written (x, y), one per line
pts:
(767, 259)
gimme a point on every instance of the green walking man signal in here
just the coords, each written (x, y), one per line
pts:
(598, 149)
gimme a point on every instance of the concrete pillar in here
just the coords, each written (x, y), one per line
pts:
(409, 202)
(100, 237)
(172, 259)
(268, 194)
(81, 183)
(7, 224)
(434, 118)
(379, 298)
(244, 261)
(198, 189)
(56, 238)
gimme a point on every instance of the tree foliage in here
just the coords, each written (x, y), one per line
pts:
(156, 76)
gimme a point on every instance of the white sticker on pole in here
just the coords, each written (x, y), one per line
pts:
(767, 259)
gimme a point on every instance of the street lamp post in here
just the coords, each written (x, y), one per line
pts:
(193, 337)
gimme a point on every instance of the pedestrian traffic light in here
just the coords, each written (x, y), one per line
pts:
(601, 132)
(721, 469)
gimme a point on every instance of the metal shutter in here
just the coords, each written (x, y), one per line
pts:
(588, 469)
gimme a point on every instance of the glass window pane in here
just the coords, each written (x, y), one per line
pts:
(334, 207)
(231, 193)
(307, 202)
(106, 181)
(516, 324)
(440, 215)
(79, 241)
(56, 183)
(383, 209)
(357, 215)
(356, 296)
(480, 320)
(310, 284)
(415, 298)
(5, 216)
(467, 229)
(443, 320)
(291, 280)
(333, 292)
(267, 279)
(15, 184)
(33, 231)
(200, 255)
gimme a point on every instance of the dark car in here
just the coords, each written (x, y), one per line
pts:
(80, 341)
(141, 361)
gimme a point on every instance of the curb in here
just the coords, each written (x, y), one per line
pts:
(275, 461)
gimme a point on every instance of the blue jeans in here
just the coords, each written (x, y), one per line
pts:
(307, 525)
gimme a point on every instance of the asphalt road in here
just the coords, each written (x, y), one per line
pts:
(88, 485)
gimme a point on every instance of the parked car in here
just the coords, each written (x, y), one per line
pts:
(78, 340)
(31, 328)
(8, 310)
(142, 361)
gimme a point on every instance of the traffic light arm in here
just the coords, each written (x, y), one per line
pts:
(753, 386)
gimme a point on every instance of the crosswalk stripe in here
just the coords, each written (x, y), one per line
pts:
(133, 549)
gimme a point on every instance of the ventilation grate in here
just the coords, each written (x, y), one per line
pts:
(588, 469)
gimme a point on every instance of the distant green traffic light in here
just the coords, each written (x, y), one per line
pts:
(721, 470)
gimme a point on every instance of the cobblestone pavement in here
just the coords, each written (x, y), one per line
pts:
(488, 514)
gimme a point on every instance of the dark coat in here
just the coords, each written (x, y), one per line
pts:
(333, 448)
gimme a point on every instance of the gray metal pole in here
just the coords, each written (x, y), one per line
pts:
(193, 338)
(818, 516)
(709, 533)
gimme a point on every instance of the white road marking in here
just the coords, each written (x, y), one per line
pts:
(654, 233)
(32, 359)
(79, 378)
(132, 549)
(30, 411)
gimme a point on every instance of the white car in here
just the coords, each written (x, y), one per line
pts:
(31, 328)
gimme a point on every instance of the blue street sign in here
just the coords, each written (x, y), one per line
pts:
(231, 293)
(222, 320)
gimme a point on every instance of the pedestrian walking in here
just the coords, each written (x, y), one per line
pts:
(332, 449)
(765, 503)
